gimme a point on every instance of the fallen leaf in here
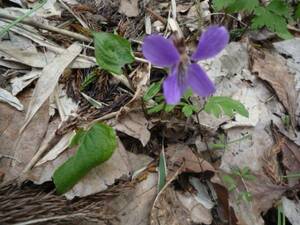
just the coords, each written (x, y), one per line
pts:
(264, 194)
(291, 210)
(290, 154)
(129, 7)
(19, 83)
(177, 208)
(134, 206)
(22, 148)
(134, 124)
(272, 68)
(7, 97)
(181, 154)
(49, 78)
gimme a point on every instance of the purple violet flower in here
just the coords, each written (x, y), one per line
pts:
(184, 71)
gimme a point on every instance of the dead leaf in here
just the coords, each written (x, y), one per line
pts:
(177, 208)
(290, 154)
(264, 193)
(272, 68)
(291, 210)
(129, 7)
(19, 83)
(49, 78)
(134, 124)
(10, 122)
(181, 154)
(134, 206)
(7, 97)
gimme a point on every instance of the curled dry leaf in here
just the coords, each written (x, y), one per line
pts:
(178, 154)
(134, 124)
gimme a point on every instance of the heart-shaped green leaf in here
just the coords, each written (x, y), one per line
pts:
(96, 145)
(112, 52)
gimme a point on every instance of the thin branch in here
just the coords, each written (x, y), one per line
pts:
(74, 35)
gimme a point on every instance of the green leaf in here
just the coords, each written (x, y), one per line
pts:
(112, 52)
(217, 146)
(169, 108)
(96, 146)
(162, 170)
(222, 4)
(216, 104)
(188, 110)
(297, 12)
(77, 138)
(279, 7)
(233, 6)
(245, 196)
(156, 108)
(90, 78)
(243, 5)
(229, 182)
(152, 90)
(188, 94)
(265, 17)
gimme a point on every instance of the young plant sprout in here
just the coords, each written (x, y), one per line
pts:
(184, 72)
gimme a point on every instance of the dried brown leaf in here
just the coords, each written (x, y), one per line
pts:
(22, 148)
(271, 67)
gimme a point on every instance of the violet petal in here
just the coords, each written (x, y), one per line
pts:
(211, 42)
(172, 89)
(160, 51)
(198, 80)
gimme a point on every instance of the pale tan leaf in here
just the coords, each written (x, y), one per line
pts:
(129, 7)
(291, 210)
(134, 124)
(49, 78)
(7, 97)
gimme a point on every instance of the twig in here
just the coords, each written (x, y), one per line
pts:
(50, 218)
(71, 11)
(74, 35)
(20, 18)
(158, 17)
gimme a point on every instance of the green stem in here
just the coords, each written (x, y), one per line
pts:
(19, 19)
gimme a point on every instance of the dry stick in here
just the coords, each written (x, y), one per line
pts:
(74, 14)
(158, 17)
(74, 35)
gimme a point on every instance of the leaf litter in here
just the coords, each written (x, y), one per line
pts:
(50, 66)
